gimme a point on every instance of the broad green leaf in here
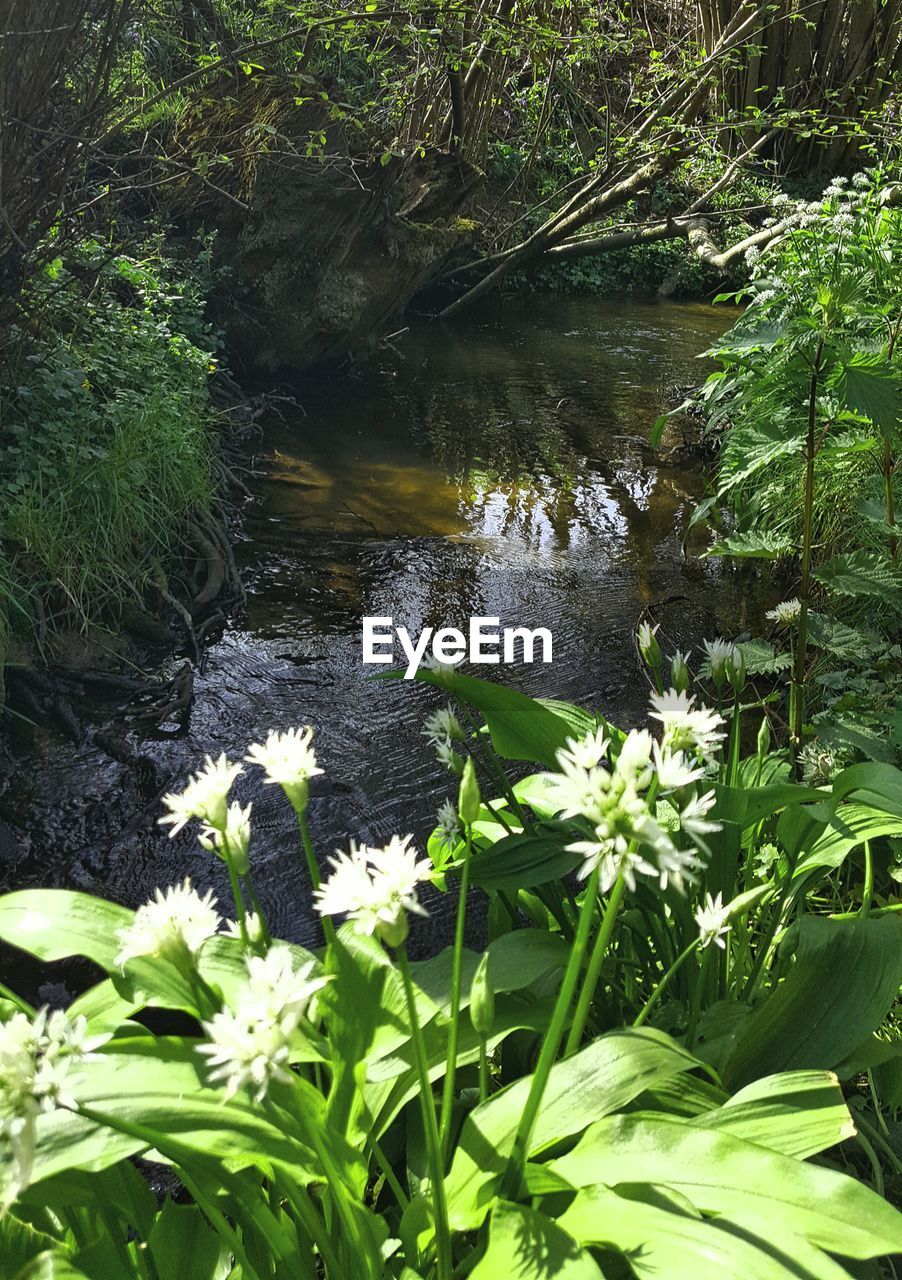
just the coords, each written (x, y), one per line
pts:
(746, 806)
(749, 448)
(844, 979)
(55, 924)
(799, 1113)
(524, 861)
(601, 1078)
(877, 785)
(158, 1083)
(874, 390)
(515, 960)
(660, 1242)
(182, 1245)
(526, 1245)
(757, 1189)
(55, 1265)
(757, 545)
(862, 573)
(851, 826)
(20, 1244)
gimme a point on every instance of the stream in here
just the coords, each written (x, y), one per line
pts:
(496, 468)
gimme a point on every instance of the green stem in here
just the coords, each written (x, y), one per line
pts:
(802, 643)
(313, 868)
(510, 1182)
(454, 1024)
(593, 973)
(661, 986)
(483, 1070)
(868, 891)
(312, 1224)
(430, 1124)
(390, 1176)
(695, 1001)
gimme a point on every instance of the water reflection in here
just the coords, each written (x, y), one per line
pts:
(496, 468)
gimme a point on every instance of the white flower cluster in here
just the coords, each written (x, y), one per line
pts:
(36, 1059)
(686, 727)
(448, 822)
(626, 838)
(786, 614)
(375, 888)
(171, 924)
(712, 918)
(205, 797)
(250, 1044)
(289, 761)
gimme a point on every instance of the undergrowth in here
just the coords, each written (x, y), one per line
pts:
(104, 434)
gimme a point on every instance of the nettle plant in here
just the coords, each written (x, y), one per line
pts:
(807, 406)
(639, 1075)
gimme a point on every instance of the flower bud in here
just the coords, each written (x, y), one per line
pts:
(648, 646)
(680, 675)
(735, 669)
(482, 1000)
(469, 800)
(764, 738)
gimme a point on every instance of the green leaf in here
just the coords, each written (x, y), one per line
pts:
(799, 1113)
(183, 1245)
(524, 861)
(749, 448)
(601, 1078)
(526, 1245)
(759, 1190)
(21, 1244)
(873, 389)
(754, 545)
(843, 982)
(55, 924)
(850, 826)
(54, 1265)
(862, 573)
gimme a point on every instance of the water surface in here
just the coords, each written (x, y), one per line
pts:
(499, 467)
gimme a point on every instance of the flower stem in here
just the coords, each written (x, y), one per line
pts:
(510, 1182)
(454, 1024)
(313, 867)
(799, 675)
(661, 986)
(430, 1124)
(483, 1070)
(596, 960)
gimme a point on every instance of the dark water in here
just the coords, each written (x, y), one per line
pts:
(497, 468)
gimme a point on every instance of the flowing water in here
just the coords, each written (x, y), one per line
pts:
(499, 468)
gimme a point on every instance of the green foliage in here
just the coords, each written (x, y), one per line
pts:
(694, 1123)
(104, 431)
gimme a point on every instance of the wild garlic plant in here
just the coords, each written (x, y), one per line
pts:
(621, 1077)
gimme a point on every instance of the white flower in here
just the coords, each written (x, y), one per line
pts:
(843, 220)
(719, 653)
(172, 923)
(712, 918)
(752, 254)
(676, 867)
(443, 726)
(234, 840)
(781, 200)
(684, 726)
(253, 925)
(612, 860)
(447, 756)
(251, 1043)
(860, 180)
(375, 888)
(674, 769)
(36, 1061)
(205, 796)
(765, 295)
(634, 760)
(584, 753)
(444, 671)
(785, 613)
(448, 821)
(693, 815)
(289, 761)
